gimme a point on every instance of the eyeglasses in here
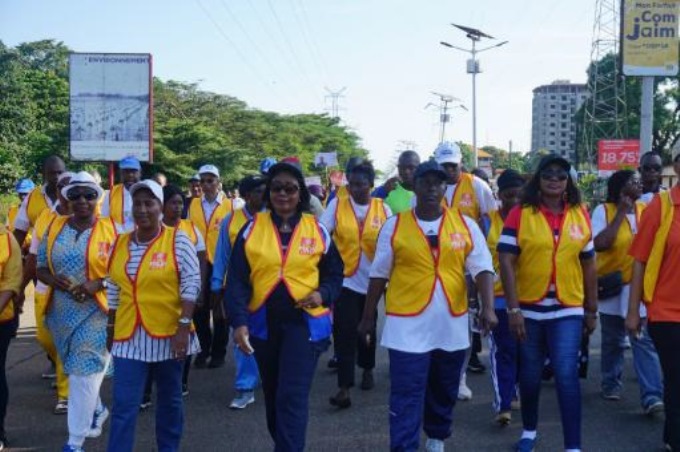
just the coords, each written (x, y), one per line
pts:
(76, 195)
(207, 181)
(560, 175)
(287, 189)
(649, 168)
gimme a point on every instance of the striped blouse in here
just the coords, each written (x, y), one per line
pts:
(141, 346)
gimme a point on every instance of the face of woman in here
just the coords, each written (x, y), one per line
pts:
(146, 209)
(284, 193)
(553, 181)
(83, 201)
(173, 208)
(633, 188)
(510, 197)
(359, 187)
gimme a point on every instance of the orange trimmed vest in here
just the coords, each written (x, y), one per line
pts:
(7, 313)
(11, 216)
(99, 246)
(464, 197)
(236, 222)
(616, 258)
(117, 203)
(152, 297)
(543, 260)
(210, 229)
(495, 230)
(416, 270)
(187, 226)
(37, 202)
(352, 237)
(653, 267)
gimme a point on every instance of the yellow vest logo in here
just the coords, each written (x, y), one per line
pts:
(466, 200)
(216, 224)
(576, 232)
(457, 241)
(158, 261)
(307, 245)
(103, 250)
(376, 222)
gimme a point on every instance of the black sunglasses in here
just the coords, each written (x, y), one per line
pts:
(560, 175)
(76, 195)
(287, 189)
(656, 168)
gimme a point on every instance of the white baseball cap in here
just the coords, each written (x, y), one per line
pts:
(82, 179)
(148, 184)
(448, 152)
(209, 169)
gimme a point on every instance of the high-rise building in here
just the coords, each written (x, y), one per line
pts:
(553, 126)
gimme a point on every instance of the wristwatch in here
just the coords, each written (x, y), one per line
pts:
(105, 283)
(185, 321)
(514, 310)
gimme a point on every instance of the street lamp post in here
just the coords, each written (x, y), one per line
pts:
(473, 68)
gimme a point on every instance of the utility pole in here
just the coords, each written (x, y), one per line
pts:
(444, 116)
(473, 68)
(335, 97)
(510, 154)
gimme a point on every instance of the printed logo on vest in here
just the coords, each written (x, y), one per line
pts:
(216, 224)
(307, 245)
(158, 261)
(375, 222)
(457, 241)
(103, 250)
(465, 200)
(576, 232)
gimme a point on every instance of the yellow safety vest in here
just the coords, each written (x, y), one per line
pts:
(152, 297)
(7, 313)
(297, 268)
(495, 230)
(543, 259)
(37, 202)
(616, 258)
(187, 226)
(99, 247)
(464, 197)
(416, 270)
(210, 229)
(11, 216)
(352, 237)
(236, 222)
(653, 267)
(117, 203)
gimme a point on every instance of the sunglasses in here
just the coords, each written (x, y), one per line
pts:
(287, 189)
(648, 168)
(76, 195)
(560, 175)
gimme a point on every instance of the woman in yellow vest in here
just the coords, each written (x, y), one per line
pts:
(72, 260)
(355, 221)
(424, 254)
(155, 280)
(10, 283)
(615, 224)
(284, 273)
(656, 250)
(547, 262)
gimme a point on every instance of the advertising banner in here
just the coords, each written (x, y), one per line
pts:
(614, 155)
(649, 37)
(111, 106)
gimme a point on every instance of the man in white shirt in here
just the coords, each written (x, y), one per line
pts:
(117, 202)
(424, 254)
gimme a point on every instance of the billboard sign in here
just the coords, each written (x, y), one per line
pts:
(649, 37)
(614, 155)
(111, 106)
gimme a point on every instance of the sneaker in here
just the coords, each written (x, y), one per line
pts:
(185, 389)
(613, 396)
(61, 407)
(654, 407)
(333, 363)
(69, 448)
(504, 418)
(525, 445)
(475, 365)
(98, 422)
(201, 361)
(464, 392)
(242, 400)
(367, 382)
(146, 403)
(434, 445)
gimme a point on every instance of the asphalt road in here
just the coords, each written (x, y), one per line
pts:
(211, 426)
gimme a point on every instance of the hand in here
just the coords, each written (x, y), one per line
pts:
(62, 283)
(625, 204)
(633, 324)
(589, 324)
(241, 337)
(19, 302)
(516, 324)
(179, 342)
(88, 288)
(488, 320)
(313, 300)
(366, 329)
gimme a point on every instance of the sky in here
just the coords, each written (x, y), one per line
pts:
(282, 55)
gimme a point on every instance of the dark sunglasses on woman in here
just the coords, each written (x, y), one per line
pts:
(76, 195)
(287, 189)
(560, 175)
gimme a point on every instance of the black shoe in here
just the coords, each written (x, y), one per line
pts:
(475, 365)
(367, 382)
(185, 389)
(333, 363)
(343, 403)
(216, 363)
(201, 361)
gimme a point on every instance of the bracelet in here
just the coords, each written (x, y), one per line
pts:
(514, 310)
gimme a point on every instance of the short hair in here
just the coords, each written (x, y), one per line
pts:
(531, 196)
(366, 169)
(408, 154)
(615, 184)
(171, 190)
(649, 154)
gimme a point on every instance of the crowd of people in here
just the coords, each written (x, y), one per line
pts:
(146, 280)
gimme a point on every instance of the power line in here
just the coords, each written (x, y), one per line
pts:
(303, 24)
(335, 97)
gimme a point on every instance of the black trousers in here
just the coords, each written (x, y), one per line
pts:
(666, 337)
(350, 349)
(7, 331)
(213, 340)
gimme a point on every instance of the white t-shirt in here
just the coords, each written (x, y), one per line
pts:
(617, 305)
(483, 192)
(21, 222)
(359, 281)
(434, 328)
(129, 221)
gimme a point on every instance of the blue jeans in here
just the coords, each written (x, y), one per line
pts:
(645, 360)
(423, 390)
(128, 388)
(247, 374)
(503, 351)
(561, 340)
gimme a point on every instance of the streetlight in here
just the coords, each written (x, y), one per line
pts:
(444, 117)
(473, 68)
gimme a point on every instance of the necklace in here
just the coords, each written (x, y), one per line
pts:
(285, 228)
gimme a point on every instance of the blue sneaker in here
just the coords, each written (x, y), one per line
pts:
(98, 420)
(525, 445)
(69, 448)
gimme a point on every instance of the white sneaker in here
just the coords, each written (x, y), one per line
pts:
(464, 392)
(98, 423)
(434, 445)
(242, 400)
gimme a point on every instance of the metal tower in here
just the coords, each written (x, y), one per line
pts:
(334, 97)
(605, 111)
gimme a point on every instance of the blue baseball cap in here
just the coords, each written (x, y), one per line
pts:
(428, 167)
(24, 186)
(266, 164)
(130, 163)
